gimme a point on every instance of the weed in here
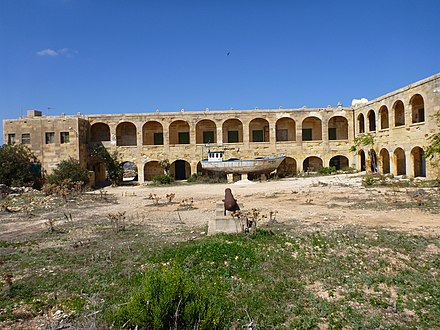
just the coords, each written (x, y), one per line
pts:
(117, 221)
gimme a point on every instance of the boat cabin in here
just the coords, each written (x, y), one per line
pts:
(215, 156)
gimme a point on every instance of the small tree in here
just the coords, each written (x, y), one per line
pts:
(69, 169)
(366, 140)
(434, 147)
(165, 163)
(17, 166)
(115, 170)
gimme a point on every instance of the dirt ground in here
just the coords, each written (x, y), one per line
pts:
(325, 202)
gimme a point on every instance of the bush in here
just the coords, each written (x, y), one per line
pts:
(169, 299)
(70, 170)
(193, 178)
(18, 166)
(163, 179)
(114, 167)
(327, 170)
(368, 181)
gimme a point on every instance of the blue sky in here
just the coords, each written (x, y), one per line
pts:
(133, 56)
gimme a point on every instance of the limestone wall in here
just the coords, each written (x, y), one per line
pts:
(400, 123)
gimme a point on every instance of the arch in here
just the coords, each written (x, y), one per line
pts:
(152, 133)
(400, 161)
(126, 134)
(361, 123)
(180, 169)
(285, 129)
(417, 108)
(373, 161)
(232, 131)
(339, 162)
(152, 169)
(312, 164)
(384, 161)
(287, 168)
(399, 113)
(418, 162)
(259, 130)
(371, 115)
(384, 118)
(311, 129)
(361, 155)
(130, 172)
(206, 131)
(100, 171)
(179, 132)
(99, 132)
(338, 128)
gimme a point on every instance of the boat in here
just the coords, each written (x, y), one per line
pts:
(216, 163)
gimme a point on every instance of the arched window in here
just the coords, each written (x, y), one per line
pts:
(311, 129)
(99, 132)
(126, 134)
(206, 132)
(232, 131)
(152, 133)
(417, 109)
(399, 113)
(338, 128)
(384, 120)
(361, 123)
(285, 129)
(371, 121)
(179, 132)
(259, 130)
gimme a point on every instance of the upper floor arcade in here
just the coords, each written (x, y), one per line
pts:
(223, 127)
(409, 109)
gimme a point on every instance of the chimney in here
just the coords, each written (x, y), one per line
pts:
(34, 113)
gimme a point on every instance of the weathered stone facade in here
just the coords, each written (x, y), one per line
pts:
(400, 122)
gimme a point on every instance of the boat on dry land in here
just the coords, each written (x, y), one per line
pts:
(216, 163)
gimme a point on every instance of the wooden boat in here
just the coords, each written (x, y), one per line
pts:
(216, 163)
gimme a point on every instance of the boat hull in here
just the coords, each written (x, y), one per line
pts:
(263, 165)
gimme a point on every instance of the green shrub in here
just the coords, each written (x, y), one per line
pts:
(18, 166)
(70, 170)
(169, 299)
(114, 167)
(163, 179)
(327, 170)
(368, 181)
(349, 169)
(193, 178)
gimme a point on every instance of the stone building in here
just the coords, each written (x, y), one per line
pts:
(400, 123)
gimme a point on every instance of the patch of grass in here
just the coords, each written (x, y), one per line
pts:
(351, 277)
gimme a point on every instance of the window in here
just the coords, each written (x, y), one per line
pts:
(282, 135)
(208, 137)
(257, 136)
(158, 138)
(64, 137)
(26, 138)
(183, 137)
(420, 116)
(11, 138)
(232, 136)
(332, 133)
(307, 134)
(50, 137)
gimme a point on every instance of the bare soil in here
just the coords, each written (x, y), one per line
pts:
(310, 202)
(307, 204)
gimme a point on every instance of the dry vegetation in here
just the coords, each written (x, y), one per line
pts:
(329, 253)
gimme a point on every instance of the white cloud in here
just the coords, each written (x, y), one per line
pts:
(47, 52)
(60, 52)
